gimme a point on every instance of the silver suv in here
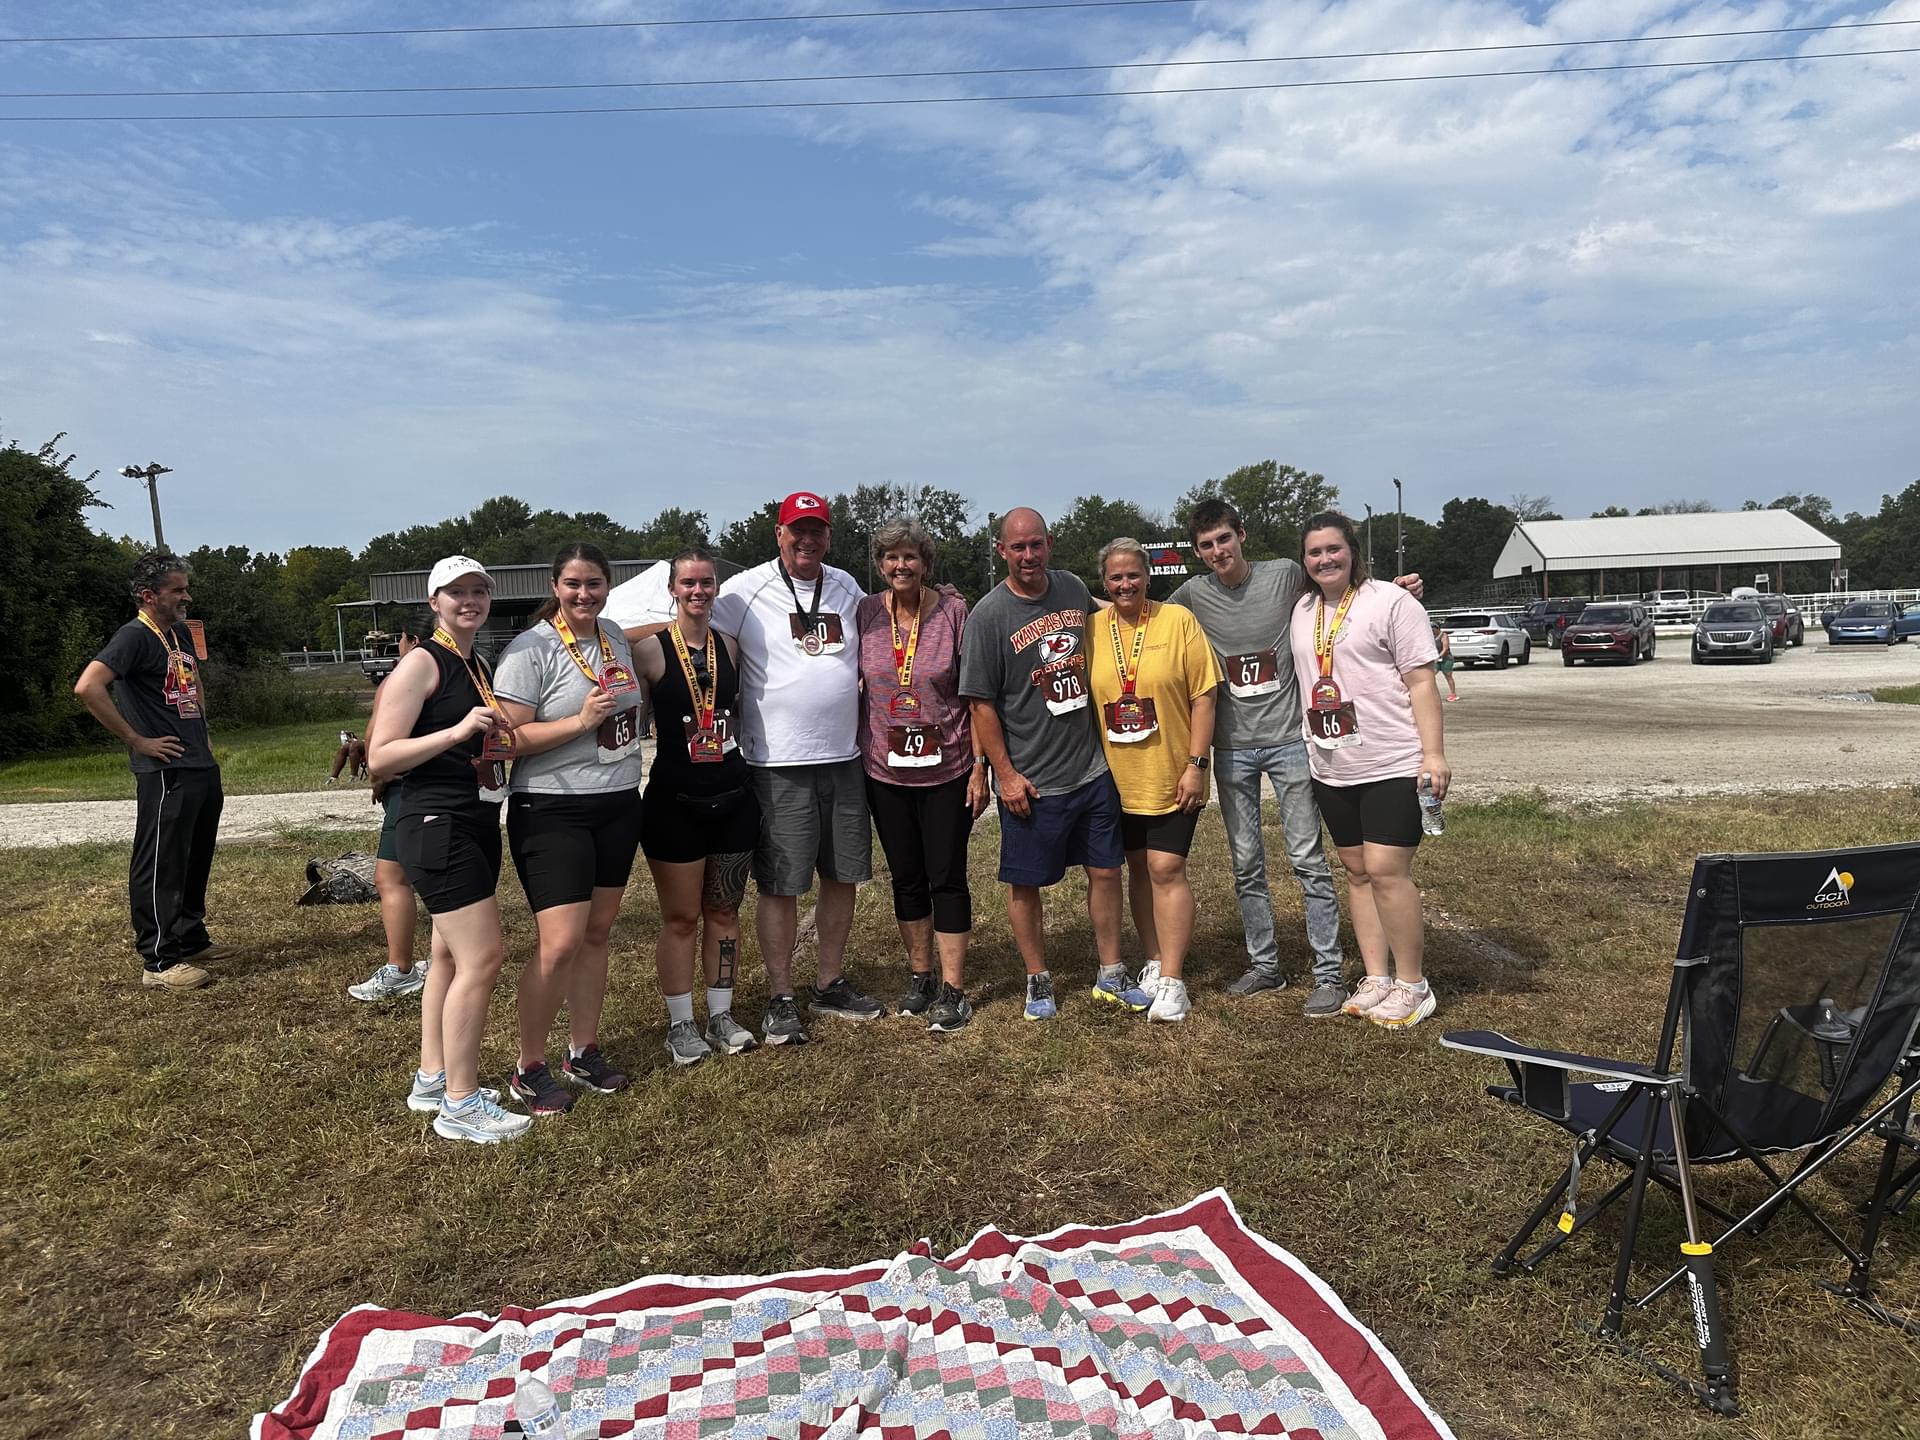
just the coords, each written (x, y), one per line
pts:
(1733, 630)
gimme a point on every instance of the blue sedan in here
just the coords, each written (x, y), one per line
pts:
(1873, 622)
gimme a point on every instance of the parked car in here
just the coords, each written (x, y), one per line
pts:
(1789, 628)
(1877, 622)
(385, 654)
(1612, 631)
(1489, 637)
(1545, 619)
(1670, 606)
(1733, 630)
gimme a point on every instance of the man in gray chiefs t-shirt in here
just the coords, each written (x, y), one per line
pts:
(1024, 670)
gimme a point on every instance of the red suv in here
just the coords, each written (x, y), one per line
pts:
(1609, 632)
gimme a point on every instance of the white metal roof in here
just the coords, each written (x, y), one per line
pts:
(1647, 542)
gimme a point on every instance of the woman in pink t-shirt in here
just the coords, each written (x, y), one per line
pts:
(1364, 656)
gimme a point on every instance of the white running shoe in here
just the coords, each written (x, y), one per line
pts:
(425, 1099)
(480, 1120)
(1170, 1003)
(387, 983)
(1150, 976)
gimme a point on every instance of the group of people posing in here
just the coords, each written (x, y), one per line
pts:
(795, 717)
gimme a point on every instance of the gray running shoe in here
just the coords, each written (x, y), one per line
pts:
(388, 983)
(425, 1098)
(949, 1011)
(728, 1035)
(684, 1043)
(844, 1002)
(1257, 982)
(782, 1023)
(920, 992)
(1325, 1000)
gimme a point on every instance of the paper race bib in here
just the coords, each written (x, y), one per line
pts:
(1255, 673)
(490, 776)
(912, 747)
(1064, 688)
(819, 636)
(1131, 719)
(618, 736)
(1333, 728)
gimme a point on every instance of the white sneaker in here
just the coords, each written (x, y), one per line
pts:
(1171, 1002)
(387, 983)
(1149, 975)
(480, 1120)
(424, 1099)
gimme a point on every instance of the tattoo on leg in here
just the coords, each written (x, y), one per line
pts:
(728, 948)
(726, 879)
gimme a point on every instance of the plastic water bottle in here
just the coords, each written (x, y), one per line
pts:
(1431, 820)
(535, 1409)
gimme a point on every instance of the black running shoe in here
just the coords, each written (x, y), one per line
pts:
(539, 1091)
(919, 994)
(844, 1002)
(590, 1071)
(950, 1011)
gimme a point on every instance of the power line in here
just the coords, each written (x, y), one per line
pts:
(992, 99)
(593, 24)
(948, 74)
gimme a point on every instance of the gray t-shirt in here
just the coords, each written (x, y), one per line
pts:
(1029, 657)
(535, 669)
(1259, 702)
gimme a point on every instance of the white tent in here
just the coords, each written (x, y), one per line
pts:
(643, 600)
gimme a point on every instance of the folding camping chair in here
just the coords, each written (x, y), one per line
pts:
(1798, 983)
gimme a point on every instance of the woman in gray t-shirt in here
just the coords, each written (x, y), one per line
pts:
(568, 686)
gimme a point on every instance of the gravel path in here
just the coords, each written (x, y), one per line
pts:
(1593, 733)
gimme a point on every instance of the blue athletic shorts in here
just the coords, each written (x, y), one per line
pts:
(1081, 827)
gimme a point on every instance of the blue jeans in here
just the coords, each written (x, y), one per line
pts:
(1237, 774)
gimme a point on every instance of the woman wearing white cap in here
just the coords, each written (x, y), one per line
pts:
(439, 731)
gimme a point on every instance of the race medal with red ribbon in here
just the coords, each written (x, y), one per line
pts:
(490, 769)
(912, 747)
(1331, 723)
(1131, 719)
(1255, 673)
(181, 687)
(818, 635)
(617, 679)
(904, 706)
(710, 746)
(1325, 695)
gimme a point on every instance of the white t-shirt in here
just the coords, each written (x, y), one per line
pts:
(796, 708)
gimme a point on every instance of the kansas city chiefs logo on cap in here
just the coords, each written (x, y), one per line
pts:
(805, 502)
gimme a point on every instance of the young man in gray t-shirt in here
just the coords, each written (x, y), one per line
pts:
(1245, 608)
(1024, 670)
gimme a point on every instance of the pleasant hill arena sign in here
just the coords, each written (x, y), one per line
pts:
(1165, 557)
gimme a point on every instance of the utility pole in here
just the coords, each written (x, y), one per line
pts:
(1399, 528)
(1369, 538)
(149, 474)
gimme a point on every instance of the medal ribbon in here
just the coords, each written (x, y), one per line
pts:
(579, 657)
(1323, 636)
(1130, 668)
(810, 613)
(441, 636)
(703, 702)
(903, 654)
(176, 658)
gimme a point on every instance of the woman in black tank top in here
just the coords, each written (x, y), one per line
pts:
(432, 729)
(699, 821)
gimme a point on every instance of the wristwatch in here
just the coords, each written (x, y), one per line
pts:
(1199, 761)
(981, 760)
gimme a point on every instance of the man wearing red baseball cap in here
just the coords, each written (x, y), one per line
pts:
(793, 621)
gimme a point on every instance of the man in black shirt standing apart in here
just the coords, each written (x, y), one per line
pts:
(144, 686)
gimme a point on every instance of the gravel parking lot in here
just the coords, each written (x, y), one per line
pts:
(1597, 732)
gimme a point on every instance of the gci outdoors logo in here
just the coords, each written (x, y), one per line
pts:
(1835, 892)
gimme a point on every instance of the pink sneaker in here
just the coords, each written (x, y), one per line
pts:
(1367, 994)
(1405, 1007)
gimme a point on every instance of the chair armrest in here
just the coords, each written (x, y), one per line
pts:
(1492, 1042)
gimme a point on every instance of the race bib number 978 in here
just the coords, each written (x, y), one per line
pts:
(1065, 689)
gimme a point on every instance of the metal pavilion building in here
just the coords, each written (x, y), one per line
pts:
(1635, 553)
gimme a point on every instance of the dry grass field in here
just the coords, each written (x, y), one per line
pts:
(200, 1184)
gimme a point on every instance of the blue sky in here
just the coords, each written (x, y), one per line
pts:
(1608, 289)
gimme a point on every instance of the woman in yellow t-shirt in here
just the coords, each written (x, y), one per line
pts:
(1154, 677)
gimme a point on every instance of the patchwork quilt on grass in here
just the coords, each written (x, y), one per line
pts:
(1175, 1325)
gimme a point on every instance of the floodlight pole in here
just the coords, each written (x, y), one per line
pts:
(149, 474)
(1369, 537)
(1399, 527)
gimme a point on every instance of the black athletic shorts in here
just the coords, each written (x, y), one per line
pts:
(452, 857)
(1171, 833)
(565, 847)
(1380, 812)
(389, 817)
(680, 829)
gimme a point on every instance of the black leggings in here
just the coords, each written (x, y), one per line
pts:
(923, 832)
